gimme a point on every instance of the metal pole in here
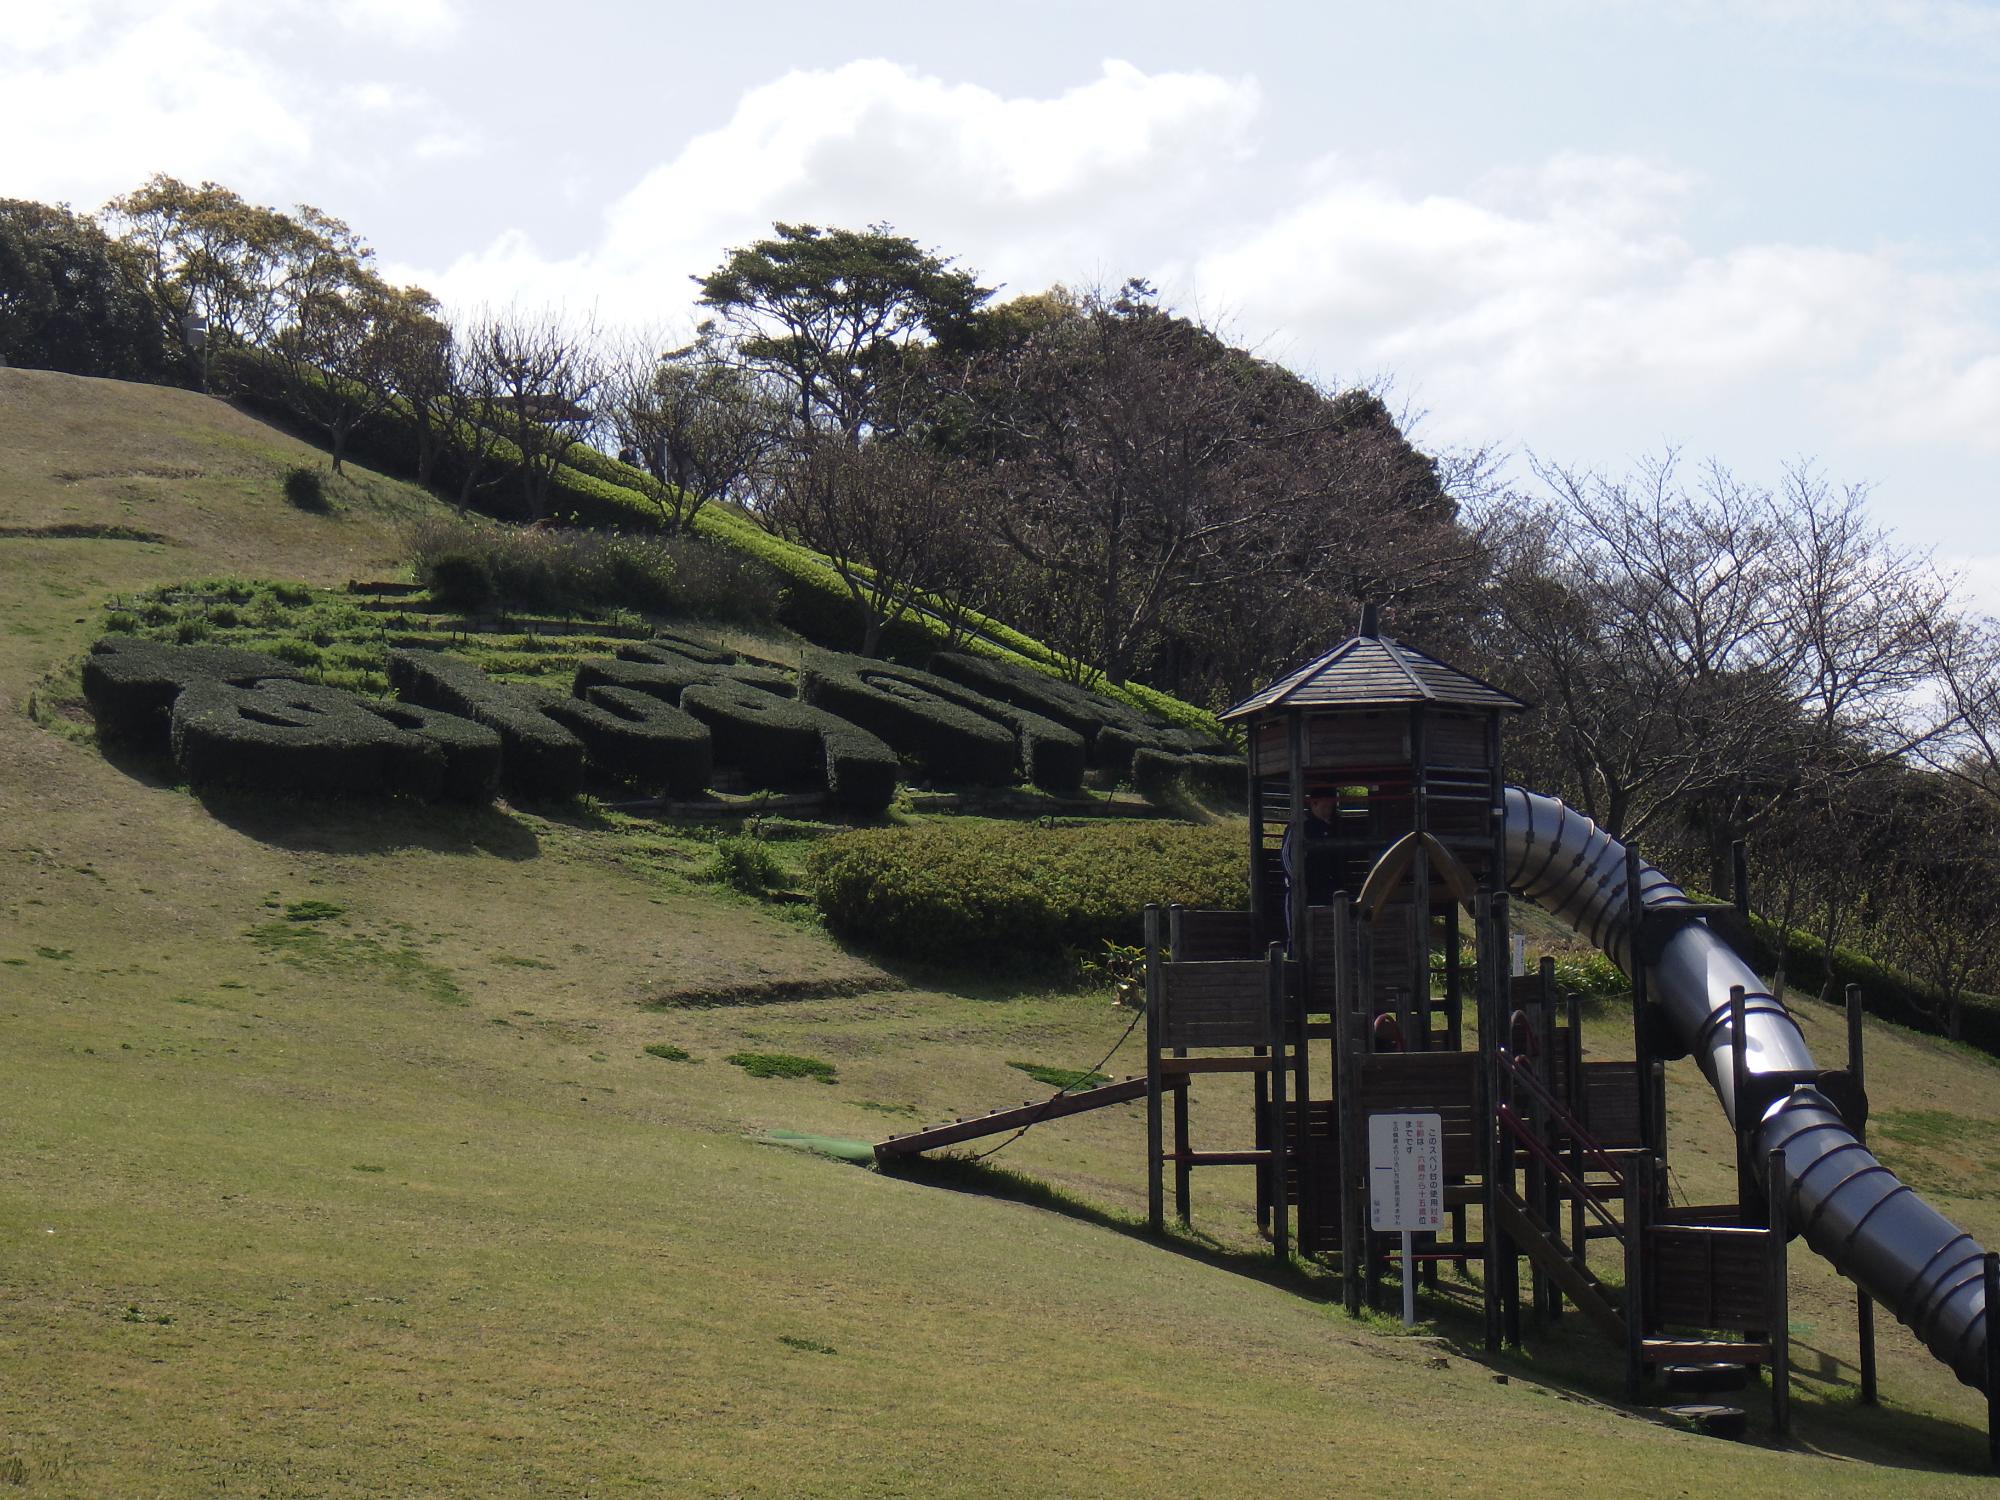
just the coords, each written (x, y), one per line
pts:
(1409, 1281)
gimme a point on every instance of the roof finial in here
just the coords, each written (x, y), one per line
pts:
(1370, 621)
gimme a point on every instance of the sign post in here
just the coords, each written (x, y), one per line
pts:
(1406, 1185)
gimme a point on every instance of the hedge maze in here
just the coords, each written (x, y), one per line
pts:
(673, 714)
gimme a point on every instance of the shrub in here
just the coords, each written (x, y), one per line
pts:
(668, 1051)
(467, 565)
(1118, 744)
(970, 893)
(951, 742)
(637, 737)
(305, 487)
(744, 864)
(540, 759)
(131, 684)
(458, 580)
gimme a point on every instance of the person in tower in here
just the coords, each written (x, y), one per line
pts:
(1308, 850)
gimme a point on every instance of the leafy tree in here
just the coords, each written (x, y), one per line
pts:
(67, 300)
(206, 258)
(834, 313)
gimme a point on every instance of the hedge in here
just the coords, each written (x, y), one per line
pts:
(1886, 993)
(953, 743)
(973, 894)
(638, 738)
(296, 738)
(662, 653)
(131, 683)
(540, 759)
(779, 742)
(467, 754)
(1213, 778)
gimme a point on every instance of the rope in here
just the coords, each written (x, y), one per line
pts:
(1049, 1103)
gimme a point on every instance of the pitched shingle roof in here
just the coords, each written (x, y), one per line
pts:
(1368, 671)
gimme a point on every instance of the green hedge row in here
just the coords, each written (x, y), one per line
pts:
(1051, 756)
(298, 738)
(950, 741)
(979, 894)
(131, 683)
(638, 738)
(1885, 992)
(1156, 774)
(779, 742)
(541, 761)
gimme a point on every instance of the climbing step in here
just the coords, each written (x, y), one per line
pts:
(1072, 1103)
(1704, 1379)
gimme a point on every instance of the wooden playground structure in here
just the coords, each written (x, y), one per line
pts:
(1378, 1000)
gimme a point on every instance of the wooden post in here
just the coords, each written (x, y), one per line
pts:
(1739, 1080)
(1353, 1230)
(1550, 1206)
(1483, 937)
(1777, 1205)
(1992, 1362)
(1579, 1239)
(1274, 983)
(1183, 1139)
(1454, 983)
(1863, 1303)
(1417, 1024)
(1635, 1280)
(1260, 924)
(1155, 993)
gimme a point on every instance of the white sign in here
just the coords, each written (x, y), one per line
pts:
(1406, 1172)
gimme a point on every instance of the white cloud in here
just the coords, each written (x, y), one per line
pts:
(98, 95)
(108, 102)
(1540, 290)
(1026, 189)
(408, 23)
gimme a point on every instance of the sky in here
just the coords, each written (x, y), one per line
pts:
(1762, 232)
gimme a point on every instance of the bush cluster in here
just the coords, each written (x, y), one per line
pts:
(471, 566)
(975, 893)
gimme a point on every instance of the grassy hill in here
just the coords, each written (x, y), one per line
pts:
(337, 1165)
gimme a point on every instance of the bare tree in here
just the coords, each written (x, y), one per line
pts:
(545, 380)
(888, 514)
(692, 419)
(1133, 448)
(1712, 650)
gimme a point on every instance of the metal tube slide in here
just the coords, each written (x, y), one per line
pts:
(1850, 1207)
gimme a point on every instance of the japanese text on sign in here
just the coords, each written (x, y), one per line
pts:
(1405, 1171)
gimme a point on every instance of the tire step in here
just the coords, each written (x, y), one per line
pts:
(1704, 1379)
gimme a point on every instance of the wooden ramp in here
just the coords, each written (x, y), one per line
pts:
(1073, 1103)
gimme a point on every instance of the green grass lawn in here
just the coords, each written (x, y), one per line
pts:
(337, 1161)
